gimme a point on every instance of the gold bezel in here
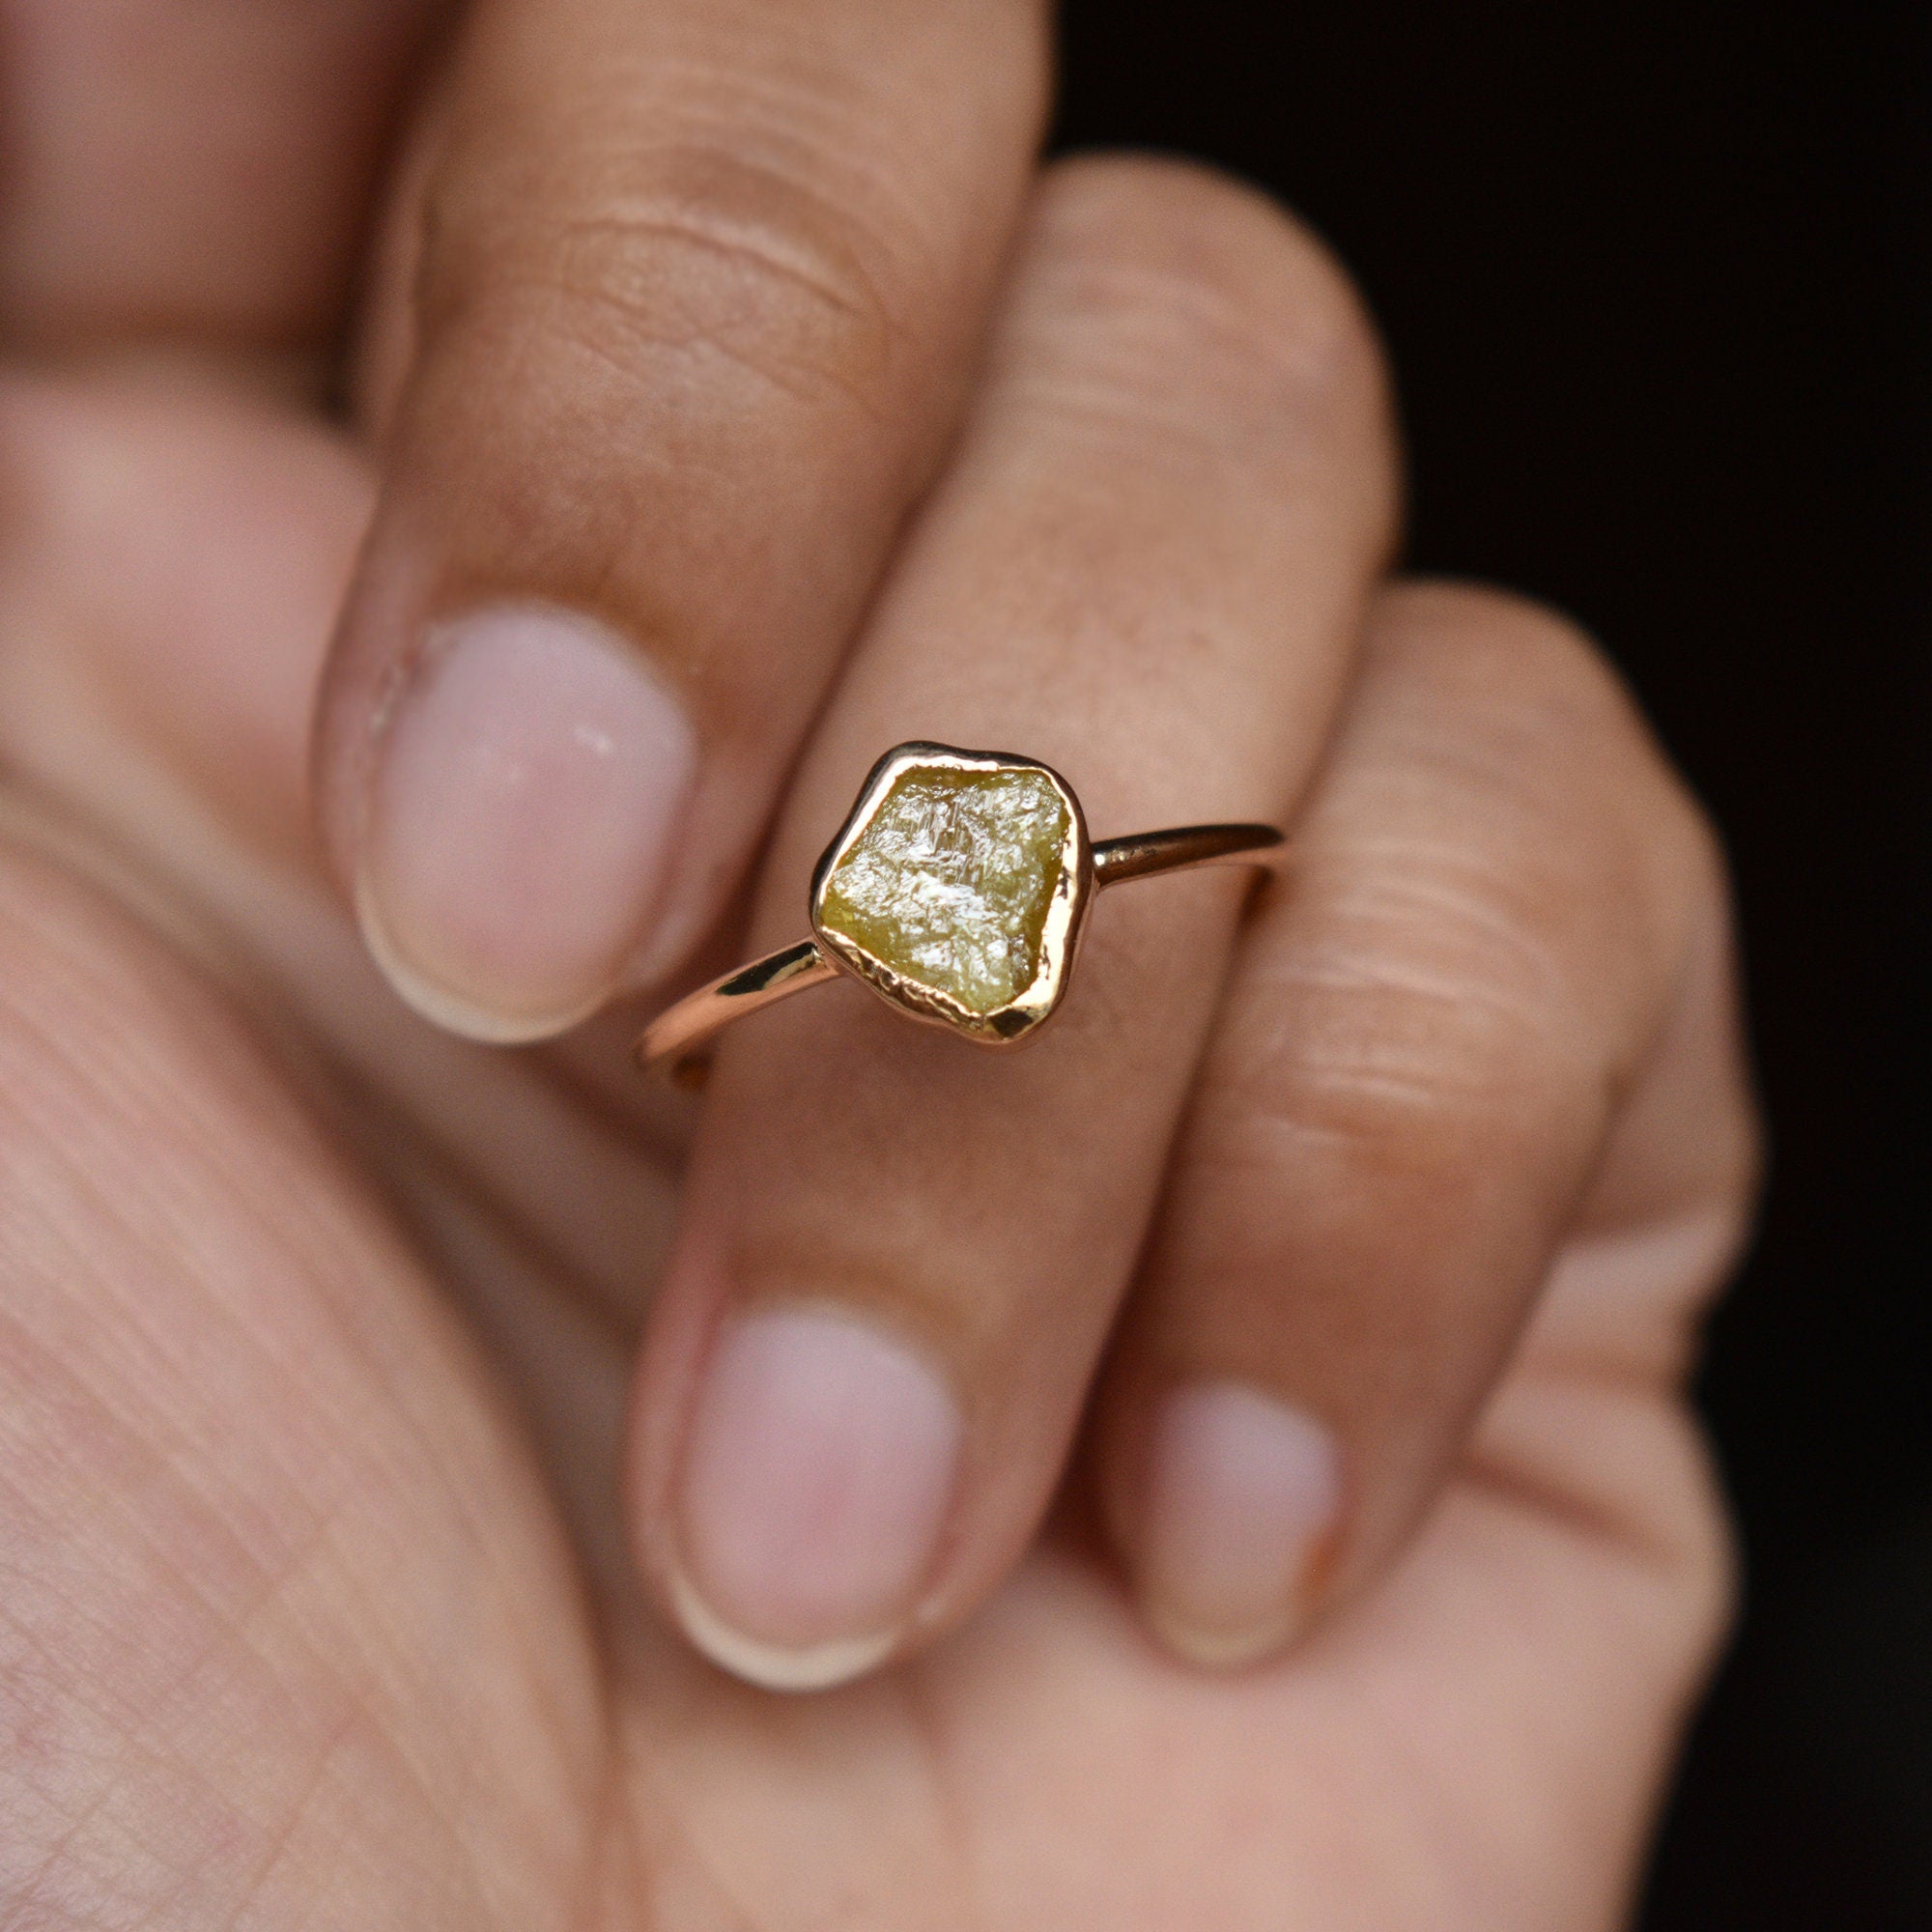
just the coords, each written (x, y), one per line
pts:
(1060, 938)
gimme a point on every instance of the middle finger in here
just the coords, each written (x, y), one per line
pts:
(901, 1256)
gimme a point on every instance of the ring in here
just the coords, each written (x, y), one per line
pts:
(957, 890)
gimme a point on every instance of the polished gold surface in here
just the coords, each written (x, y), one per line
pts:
(958, 891)
(1146, 854)
(674, 1043)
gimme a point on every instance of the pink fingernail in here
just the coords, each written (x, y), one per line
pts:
(819, 1467)
(1241, 1509)
(527, 793)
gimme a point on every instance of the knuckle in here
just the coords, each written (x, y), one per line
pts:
(1503, 886)
(1473, 926)
(1176, 298)
(1518, 710)
(701, 256)
(1411, 1066)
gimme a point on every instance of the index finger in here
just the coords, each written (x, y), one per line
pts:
(698, 296)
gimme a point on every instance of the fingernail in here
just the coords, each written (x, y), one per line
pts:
(527, 793)
(1242, 1510)
(819, 1467)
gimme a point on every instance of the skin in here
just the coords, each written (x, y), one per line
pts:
(347, 1369)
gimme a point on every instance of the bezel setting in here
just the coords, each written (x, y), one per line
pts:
(1064, 919)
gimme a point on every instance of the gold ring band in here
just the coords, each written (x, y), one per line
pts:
(957, 890)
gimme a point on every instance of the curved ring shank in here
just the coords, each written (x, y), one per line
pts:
(674, 1043)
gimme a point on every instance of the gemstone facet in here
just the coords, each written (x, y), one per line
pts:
(956, 888)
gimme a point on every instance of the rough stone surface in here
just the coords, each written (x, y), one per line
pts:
(950, 883)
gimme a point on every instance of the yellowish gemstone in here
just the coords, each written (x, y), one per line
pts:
(950, 883)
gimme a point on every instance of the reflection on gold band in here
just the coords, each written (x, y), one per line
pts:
(674, 1042)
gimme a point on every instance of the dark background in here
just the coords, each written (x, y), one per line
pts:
(1651, 280)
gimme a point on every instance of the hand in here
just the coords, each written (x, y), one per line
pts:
(752, 407)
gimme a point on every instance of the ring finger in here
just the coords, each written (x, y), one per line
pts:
(901, 1256)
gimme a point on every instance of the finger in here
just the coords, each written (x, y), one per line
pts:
(193, 170)
(698, 294)
(1488, 1022)
(901, 1252)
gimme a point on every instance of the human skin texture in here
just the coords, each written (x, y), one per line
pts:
(1221, 1464)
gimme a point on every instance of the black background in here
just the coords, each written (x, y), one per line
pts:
(1651, 279)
